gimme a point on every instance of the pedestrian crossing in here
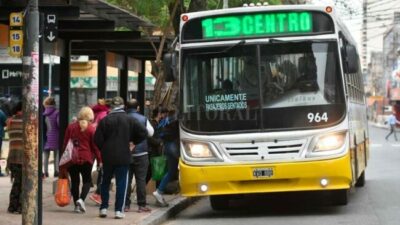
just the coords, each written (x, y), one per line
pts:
(377, 145)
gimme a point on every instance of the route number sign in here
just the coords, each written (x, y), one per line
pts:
(16, 35)
(16, 19)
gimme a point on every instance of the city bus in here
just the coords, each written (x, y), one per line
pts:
(271, 100)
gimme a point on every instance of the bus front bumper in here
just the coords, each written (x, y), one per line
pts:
(240, 179)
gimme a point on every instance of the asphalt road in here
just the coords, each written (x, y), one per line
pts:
(377, 203)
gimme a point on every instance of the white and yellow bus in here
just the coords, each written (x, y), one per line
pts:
(272, 100)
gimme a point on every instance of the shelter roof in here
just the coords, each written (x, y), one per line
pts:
(91, 26)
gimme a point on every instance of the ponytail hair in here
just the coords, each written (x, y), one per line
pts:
(85, 116)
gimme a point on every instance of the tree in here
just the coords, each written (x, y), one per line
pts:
(167, 20)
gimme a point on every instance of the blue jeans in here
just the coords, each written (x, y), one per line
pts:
(171, 151)
(121, 179)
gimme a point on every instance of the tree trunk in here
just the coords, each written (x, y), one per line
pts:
(164, 95)
(197, 5)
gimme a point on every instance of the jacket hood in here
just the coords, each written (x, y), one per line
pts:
(100, 108)
(49, 110)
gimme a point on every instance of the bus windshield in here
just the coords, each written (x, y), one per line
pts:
(257, 87)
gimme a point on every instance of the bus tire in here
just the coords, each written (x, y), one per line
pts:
(339, 197)
(219, 202)
(361, 180)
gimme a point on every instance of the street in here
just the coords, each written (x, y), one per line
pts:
(377, 203)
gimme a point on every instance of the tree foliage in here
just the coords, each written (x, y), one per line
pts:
(158, 11)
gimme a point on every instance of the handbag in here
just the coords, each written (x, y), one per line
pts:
(69, 155)
(63, 195)
(158, 167)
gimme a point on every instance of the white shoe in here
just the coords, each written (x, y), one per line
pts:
(81, 205)
(119, 215)
(103, 213)
(76, 209)
(160, 200)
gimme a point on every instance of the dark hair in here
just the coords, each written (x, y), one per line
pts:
(132, 104)
(164, 110)
(155, 112)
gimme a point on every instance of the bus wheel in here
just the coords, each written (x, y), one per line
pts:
(339, 197)
(219, 202)
(361, 180)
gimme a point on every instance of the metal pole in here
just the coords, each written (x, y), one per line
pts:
(50, 73)
(226, 4)
(30, 82)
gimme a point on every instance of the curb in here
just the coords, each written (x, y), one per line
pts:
(163, 214)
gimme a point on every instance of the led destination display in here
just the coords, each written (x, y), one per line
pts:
(257, 24)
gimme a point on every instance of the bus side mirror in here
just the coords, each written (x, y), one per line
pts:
(170, 66)
(352, 59)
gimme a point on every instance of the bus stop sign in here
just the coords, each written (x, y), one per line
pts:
(51, 27)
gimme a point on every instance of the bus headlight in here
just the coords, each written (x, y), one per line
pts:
(198, 150)
(330, 142)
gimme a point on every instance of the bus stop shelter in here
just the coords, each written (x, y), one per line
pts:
(89, 27)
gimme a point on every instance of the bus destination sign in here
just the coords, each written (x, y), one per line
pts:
(260, 24)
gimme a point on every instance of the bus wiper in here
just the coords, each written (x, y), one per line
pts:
(227, 49)
(276, 40)
(241, 42)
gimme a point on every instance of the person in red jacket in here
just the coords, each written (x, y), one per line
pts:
(81, 134)
(101, 109)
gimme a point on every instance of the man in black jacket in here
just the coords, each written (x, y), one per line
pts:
(113, 137)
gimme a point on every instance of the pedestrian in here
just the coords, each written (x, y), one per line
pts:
(81, 133)
(113, 136)
(100, 110)
(170, 136)
(155, 143)
(15, 158)
(140, 160)
(392, 121)
(3, 119)
(6, 106)
(51, 115)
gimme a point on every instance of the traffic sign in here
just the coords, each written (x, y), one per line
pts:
(51, 27)
(16, 19)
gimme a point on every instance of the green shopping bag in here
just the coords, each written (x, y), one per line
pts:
(158, 167)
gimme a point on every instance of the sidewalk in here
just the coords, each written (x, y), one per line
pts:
(55, 215)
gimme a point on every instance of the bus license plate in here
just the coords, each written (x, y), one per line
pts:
(263, 172)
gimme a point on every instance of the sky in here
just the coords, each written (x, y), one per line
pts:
(352, 20)
(379, 19)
